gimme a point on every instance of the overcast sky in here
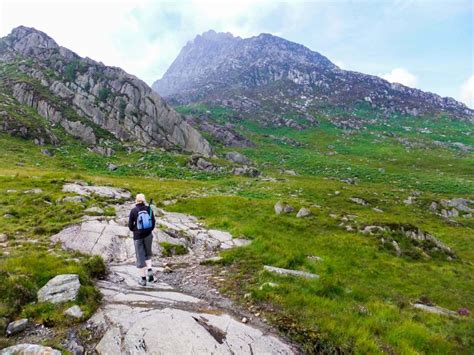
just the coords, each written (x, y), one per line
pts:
(423, 44)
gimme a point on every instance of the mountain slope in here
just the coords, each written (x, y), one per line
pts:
(268, 73)
(85, 97)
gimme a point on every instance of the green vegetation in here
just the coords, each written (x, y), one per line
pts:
(362, 300)
(104, 94)
(173, 249)
(72, 68)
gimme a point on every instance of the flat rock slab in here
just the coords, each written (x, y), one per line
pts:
(61, 288)
(103, 191)
(175, 331)
(281, 271)
(159, 319)
(435, 310)
(29, 349)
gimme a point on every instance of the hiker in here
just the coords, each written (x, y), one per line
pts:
(142, 222)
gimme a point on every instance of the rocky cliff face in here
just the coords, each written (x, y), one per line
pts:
(84, 96)
(269, 73)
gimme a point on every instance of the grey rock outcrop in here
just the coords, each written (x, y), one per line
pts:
(238, 158)
(303, 212)
(359, 201)
(84, 96)
(249, 171)
(298, 273)
(199, 163)
(168, 321)
(74, 311)
(283, 208)
(435, 309)
(29, 349)
(104, 191)
(61, 288)
(17, 326)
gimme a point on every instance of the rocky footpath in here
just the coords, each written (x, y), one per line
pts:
(182, 312)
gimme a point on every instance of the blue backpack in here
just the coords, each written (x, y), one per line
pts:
(144, 220)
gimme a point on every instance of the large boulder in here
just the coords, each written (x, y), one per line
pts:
(281, 208)
(246, 171)
(82, 189)
(238, 158)
(199, 163)
(29, 349)
(303, 212)
(17, 326)
(74, 312)
(61, 288)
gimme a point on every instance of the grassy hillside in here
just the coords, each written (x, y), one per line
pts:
(362, 300)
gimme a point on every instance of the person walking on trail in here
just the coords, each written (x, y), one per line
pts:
(142, 222)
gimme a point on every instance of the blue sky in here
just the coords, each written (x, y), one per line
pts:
(423, 44)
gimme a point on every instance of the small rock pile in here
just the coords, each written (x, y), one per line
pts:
(409, 241)
(457, 207)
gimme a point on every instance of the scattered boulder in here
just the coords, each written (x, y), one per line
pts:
(74, 311)
(246, 171)
(83, 189)
(3, 238)
(74, 199)
(409, 201)
(350, 181)
(94, 211)
(268, 284)
(29, 349)
(281, 271)
(112, 167)
(453, 208)
(303, 212)
(238, 158)
(434, 309)
(47, 152)
(17, 326)
(359, 201)
(290, 172)
(105, 151)
(59, 289)
(199, 163)
(409, 241)
(283, 208)
(33, 191)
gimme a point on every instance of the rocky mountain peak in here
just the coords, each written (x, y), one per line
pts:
(212, 35)
(25, 39)
(272, 76)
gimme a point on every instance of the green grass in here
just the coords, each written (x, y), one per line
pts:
(360, 303)
(172, 249)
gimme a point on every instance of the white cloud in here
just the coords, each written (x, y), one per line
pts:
(467, 92)
(401, 76)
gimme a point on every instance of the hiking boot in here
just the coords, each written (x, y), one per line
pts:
(150, 276)
(142, 282)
